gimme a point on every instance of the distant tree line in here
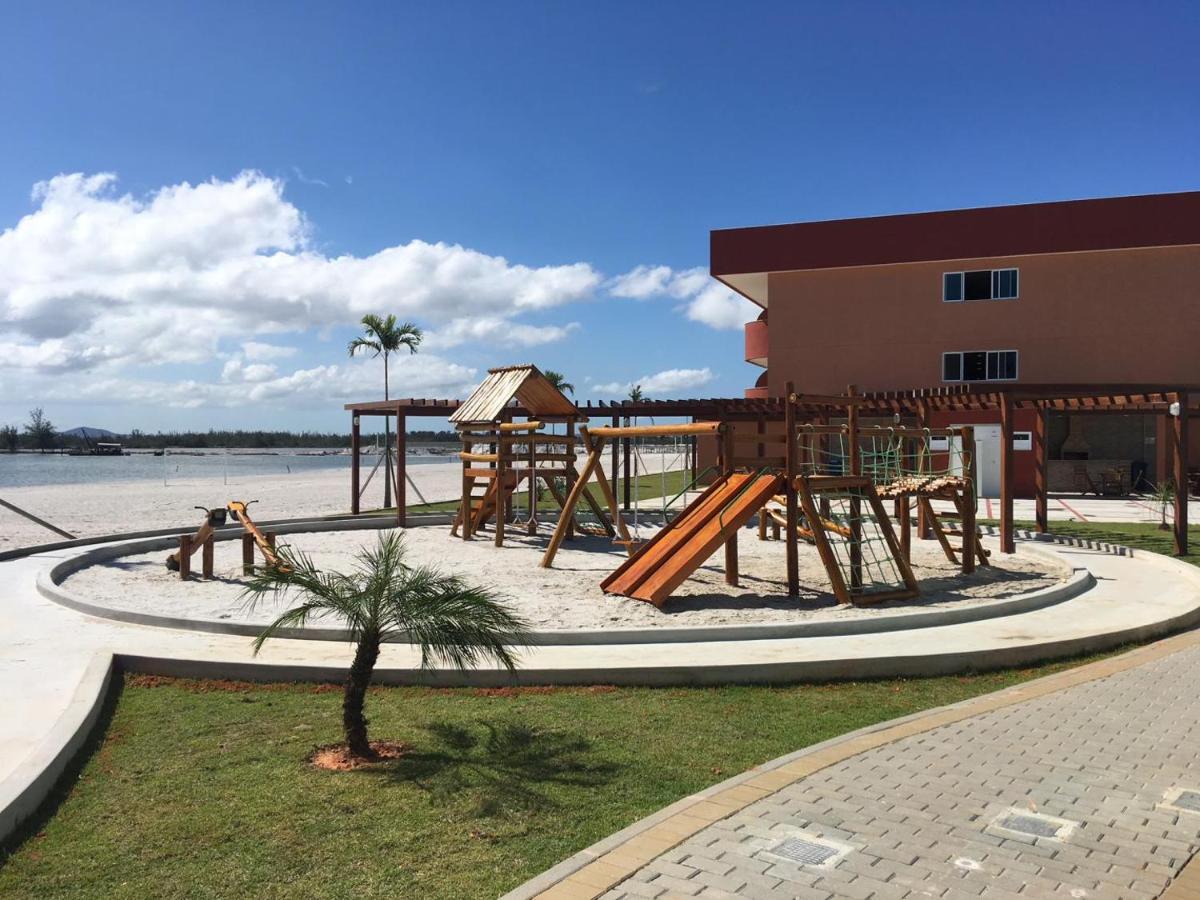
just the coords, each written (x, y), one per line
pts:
(40, 434)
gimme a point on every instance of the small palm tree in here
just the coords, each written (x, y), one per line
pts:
(452, 622)
(1164, 496)
(559, 380)
(385, 337)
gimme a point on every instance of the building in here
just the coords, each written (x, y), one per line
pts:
(1086, 292)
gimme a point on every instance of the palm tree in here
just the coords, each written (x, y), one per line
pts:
(559, 380)
(453, 623)
(384, 336)
(635, 396)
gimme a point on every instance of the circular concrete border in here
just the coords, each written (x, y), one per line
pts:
(49, 584)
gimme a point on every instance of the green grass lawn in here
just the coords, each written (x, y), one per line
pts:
(1139, 535)
(200, 789)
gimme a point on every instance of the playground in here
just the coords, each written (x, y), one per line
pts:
(568, 596)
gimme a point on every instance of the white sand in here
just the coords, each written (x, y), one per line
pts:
(569, 595)
(107, 507)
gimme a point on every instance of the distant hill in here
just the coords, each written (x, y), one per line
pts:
(89, 433)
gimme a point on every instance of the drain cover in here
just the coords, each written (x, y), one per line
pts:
(1189, 800)
(804, 853)
(1028, 824)
(1182, 799)
(1031, 825)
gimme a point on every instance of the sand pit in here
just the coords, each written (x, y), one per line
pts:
(567, 596)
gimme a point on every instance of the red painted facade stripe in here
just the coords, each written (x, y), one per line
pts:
(1155, 220)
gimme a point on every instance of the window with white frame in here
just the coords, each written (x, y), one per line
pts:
(979, 365)
(981, 284)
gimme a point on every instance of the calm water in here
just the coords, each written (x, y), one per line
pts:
(29, 469)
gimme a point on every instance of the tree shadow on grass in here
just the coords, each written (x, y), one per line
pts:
(503, 765)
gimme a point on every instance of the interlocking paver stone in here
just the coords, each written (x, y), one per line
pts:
(917, 812)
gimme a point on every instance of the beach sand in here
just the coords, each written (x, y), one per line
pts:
(567, 596)
(107, 507)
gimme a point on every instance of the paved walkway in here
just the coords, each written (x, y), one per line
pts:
(1095, 767)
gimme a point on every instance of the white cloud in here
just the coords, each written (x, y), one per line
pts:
(303, 179)
(664, 385)
(704, 299)
(317, 387)
(93, 278)
(497, 330)
(258, 350)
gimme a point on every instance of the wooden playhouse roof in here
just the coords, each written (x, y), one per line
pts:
(531, 389)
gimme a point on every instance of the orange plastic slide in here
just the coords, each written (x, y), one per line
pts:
(666, 561)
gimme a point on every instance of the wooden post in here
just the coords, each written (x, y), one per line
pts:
(1007, 544)
(401, 470)
(904, 518)
(731, 548)
(855, 501)
(1180, 447)
(185, 556)
(923, 422)
(502, 451)
(616, 455)
(466, 513)
(571, 476)
(821, 462)
(1041, 487)
(626, 444)
(206, 563)
(355, 463)
(968, 507)
(791, 549)
(531, 461)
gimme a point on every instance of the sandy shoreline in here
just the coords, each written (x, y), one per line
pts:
(106, 507)
(567, 596)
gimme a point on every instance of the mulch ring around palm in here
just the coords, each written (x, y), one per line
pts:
(337, 758)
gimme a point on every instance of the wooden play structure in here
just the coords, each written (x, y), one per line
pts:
(810, 480)
(858, 547)
(499, 456)
(204, 539)
(817, 482)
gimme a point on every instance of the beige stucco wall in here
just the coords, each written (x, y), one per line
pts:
(1109, 316)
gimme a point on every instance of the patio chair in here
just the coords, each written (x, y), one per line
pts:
(1083, 480)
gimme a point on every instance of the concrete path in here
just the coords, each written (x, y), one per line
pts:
(1085, 784)
(1083, 508)
(55, 662)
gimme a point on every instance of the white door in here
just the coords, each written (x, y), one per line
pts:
(987, 459)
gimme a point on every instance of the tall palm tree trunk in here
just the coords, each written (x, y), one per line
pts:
(354, 723)
(387, 442)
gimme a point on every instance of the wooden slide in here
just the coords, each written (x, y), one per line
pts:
(667, 560)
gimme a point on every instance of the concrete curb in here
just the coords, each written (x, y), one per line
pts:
(49, 584)
(27, 786)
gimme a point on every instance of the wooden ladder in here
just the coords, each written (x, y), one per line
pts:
(944, 532)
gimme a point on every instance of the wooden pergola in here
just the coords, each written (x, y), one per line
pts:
(1172, 402)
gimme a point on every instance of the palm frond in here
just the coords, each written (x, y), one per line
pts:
(362, 343)
(454, 622)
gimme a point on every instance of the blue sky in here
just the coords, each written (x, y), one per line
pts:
(575, 142)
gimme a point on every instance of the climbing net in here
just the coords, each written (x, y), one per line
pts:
(898, 460)
(859, 541)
